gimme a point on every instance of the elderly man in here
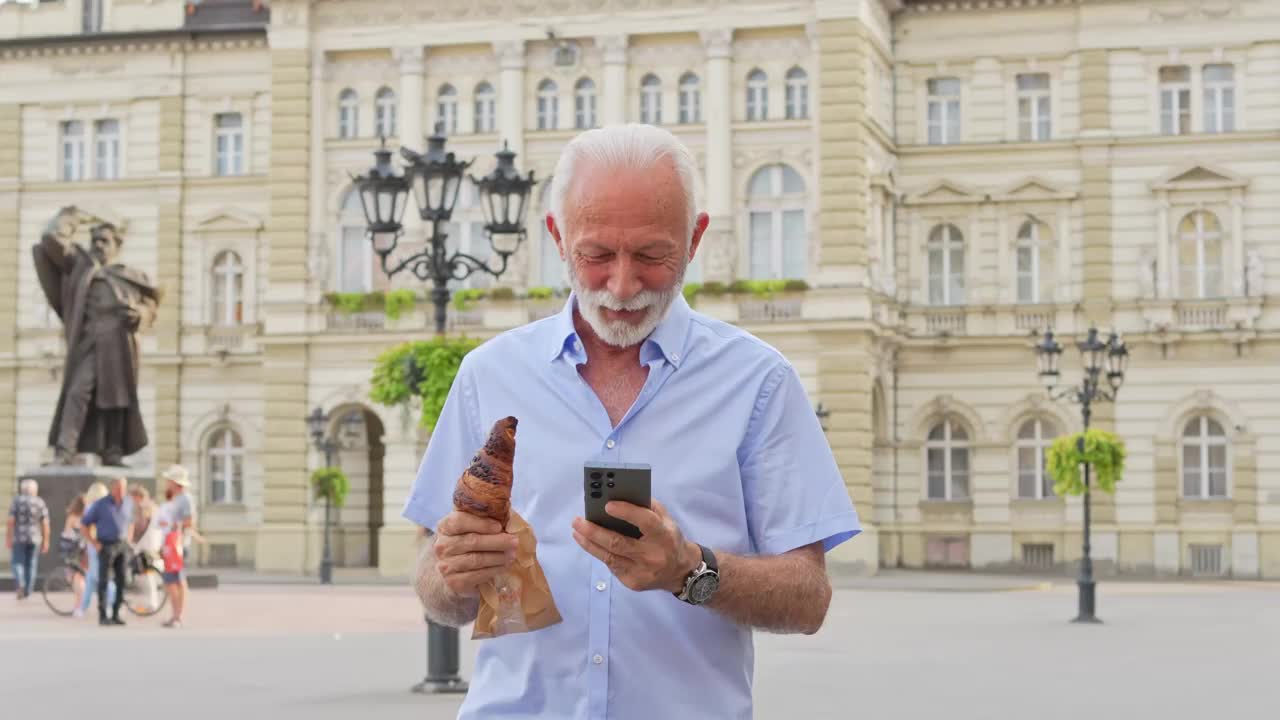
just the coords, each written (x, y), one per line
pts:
(28, 529)
(744, 484)
(106, 524)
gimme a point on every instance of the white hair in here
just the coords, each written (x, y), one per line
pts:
(633, 147)
(28, 486)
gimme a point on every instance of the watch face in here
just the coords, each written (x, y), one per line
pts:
(703, 588)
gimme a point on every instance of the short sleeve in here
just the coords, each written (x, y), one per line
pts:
(794, 493)
(455, 440)
(44, 510)
(90, 516)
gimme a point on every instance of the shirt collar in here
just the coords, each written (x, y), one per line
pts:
(666, 341)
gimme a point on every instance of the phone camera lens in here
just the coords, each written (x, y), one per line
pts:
(596, 475)
(609, 475)
(595, 494)
(595, 484)
(611, 483)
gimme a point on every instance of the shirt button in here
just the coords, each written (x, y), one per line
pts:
(601, 585)
(577, 346)
(675, 356)
(597, 659)
(610, 443)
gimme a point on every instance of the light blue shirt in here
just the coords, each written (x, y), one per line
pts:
(739, 460)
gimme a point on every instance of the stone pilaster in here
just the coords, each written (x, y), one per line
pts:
(165, 430)
(843, 180)
(1095, 91)
(844, 387)
(10, 256)
(614, 48)
(282, 541)
(719, 249)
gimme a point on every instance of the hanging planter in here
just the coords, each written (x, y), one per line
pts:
(331, 483)
(1102, 450)
(422, 369)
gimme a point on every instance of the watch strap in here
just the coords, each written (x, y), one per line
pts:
(709, 558)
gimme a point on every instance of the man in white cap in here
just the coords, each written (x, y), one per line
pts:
(177, 514)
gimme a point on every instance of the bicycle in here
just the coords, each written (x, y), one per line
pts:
(143, 590)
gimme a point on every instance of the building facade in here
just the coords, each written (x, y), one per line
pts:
(947, 178)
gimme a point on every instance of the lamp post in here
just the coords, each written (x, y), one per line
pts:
(318, 423)
(435, 177)
(1096, 356)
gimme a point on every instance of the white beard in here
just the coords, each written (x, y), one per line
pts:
(620, 333)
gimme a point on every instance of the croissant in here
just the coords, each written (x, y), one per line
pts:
(485, 487)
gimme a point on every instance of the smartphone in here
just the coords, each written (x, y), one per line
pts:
(602, 482)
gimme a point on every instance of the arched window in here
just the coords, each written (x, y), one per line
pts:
(227, 298)
(690, 99)
(651, 100)
(447, 108)
(355, 255)
(548, 105)
(384, 112)
(946, 265)
(1032, 252)
(1034, 437)
(1204, 459)
(584, 104)
(947, 461)
(224, 467)
(757, 96)
(1200, 256)
(797, 94)
(779, 240)
(486, 107)
(348, 114)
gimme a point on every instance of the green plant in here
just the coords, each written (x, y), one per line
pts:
(1103, 450)
(712, 288)
(691, 291)
(397, 301)
(351, 303)
(424, 369)
(759, 288)
(795, 285)
(331, 483)
(541, 293)
(463, 298)
(502, 293)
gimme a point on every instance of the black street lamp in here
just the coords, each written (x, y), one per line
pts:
(1096, 356)
(435, 177)
(318, 423)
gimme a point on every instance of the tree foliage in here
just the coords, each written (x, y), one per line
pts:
(423, 369)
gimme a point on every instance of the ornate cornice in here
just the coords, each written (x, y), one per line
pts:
(337, 13)
(939, 6)
(718, 42)
(119, 47)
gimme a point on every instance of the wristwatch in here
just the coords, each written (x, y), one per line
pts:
(702, 581)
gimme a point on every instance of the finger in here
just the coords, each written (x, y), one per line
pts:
(642, 517)
(452, 545)
(615, 562)
(471, 562)
(467, 582)
(608, 539)
(460, 523)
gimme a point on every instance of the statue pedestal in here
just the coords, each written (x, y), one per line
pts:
(60, 483)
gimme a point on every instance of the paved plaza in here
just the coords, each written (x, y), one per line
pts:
(920, 648)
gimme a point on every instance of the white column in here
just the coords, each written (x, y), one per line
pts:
(1162, 250)
(614, 107)
(1237, 264)
(409, 107)
(1007, 283)
(511, 105)
(718, 44)
(1063, 260)
(321, 252)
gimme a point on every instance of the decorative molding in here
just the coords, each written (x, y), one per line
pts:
(1031, 189)
(1199, 176)
(613, 48)
(717, 42)
(946, 192)
(411, 60)
(346, 13)
(510, 54)
(940, 6)
(117, 48)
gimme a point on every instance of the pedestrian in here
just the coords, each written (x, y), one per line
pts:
(71, 546)
(177, 523)
(145, 533)
(106, 526)
(96, 492)
(747, 496)
(28, 531)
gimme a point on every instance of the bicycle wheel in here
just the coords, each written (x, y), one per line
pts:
(59, 590)
(144, 593)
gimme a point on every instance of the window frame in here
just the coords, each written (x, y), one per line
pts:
(945, 245)
(486, 108)
(1045, 431)
(1201, 238)
(651, 99)
(1203, 441)
(777, 204)
(229, 287)
(236, 151)
(689, 92)
(228, 450)
(1219, 116)
(949, 109)
(1180, 110)
(386, 111)
(757, 95)
(447, 109)
(797, 94)
(585, 104)
(112, 141)
(348, 114)
(67, 142)
(1034, 243)
(948, 444)
(1038, 121)
(548, 105)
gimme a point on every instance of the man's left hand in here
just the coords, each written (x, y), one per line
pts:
(660, 559)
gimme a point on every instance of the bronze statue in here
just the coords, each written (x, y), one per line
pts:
(102, 305)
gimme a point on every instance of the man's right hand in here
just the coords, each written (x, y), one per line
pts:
(470, 551)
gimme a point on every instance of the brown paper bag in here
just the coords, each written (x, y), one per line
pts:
(520, 601)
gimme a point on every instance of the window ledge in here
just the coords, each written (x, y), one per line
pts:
(943, 507)
(224, 508)
(1054, 501)
(1207, 504)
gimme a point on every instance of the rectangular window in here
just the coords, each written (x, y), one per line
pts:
(106, 134)
(1219, 98)
(1027, 473)
(795, 245)
(228, 144)
(1175, 100)
(72, 150)
(1027, 275)
(937, 474)
(761, 245)
(944, 111)
(354, 275)
(91, 16)
(1033, 107)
